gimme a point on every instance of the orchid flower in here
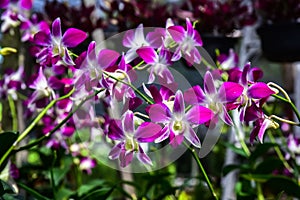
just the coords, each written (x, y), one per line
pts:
(187, 41)
(11, 83)
(254, 93)
(58, 44)
(42, 88)
(91, 65)
(130, 139)
(14, 13)
(135, 39)
(158, 63)
(179, 124)
(86, 164)
(31, 26)
(214, 99)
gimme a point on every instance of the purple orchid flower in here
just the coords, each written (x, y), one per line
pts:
(11, 83)
(261, 122)
(91, 66)
(130, 138)
(158, 63)
(32, 26)
(42, 88)
(57, 44)
(87, 164)
(135, 39)
(294, 148)
(178, 123)
(256, 92)
(214, 99)
(14, 13)
(187, 41)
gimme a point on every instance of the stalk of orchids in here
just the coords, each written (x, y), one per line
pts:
(64, 88)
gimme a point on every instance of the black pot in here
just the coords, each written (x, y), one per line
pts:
(223, 43)
(280, 42)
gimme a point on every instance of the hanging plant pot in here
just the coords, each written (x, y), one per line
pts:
(280, 42)
(223, 43)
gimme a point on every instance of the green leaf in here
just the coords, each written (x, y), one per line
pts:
(60, 173)
(235, 149)
(260, 150)
(64, 193)
(268, 166)
(257, 177)
(34, 193)
(281, 183)
(7, 139)
(102, 194)
(86, 188)
(5, 188)
(228, 168)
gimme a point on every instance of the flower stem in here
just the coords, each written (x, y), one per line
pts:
(194, 153)
(291, 104)
(279, 154)
(13, 112)
(52, 175)
(36, 142)
(32, 125)
(149, 101)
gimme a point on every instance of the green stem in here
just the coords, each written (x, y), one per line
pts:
(279, 154)
(13, 112)
(52, 175)
(138, 65)
(207, 63)
(260, 195)
(32, 125)
(194, 153)
(36, 142)
(291, 103)
(242, 142)
(32, 192)
(149, 101)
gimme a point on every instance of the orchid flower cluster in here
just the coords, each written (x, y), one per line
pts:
(59, 92)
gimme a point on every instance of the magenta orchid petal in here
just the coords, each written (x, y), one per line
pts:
(72, 37)
(67, 58)
(56, 28)
(128, 38)
(189, 27)
(26, 4)
(194, 95)
(115, 152)
(178, 108)
(226, 117)
(256, 74)
(42, 38)
(107, 58)
(244, 78)
(209, 86)
(199, 115)
(148, 54)
(127, 122)
(175, 140)
(260, 90)
(230, 91)
(192, 137)
(177, 55)
(125, 158)
(147, 132)
(263, 129)
(163, 134)
(115, 132)
(4, 3)
(159, 113)
(177, 33)
(143, 157)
